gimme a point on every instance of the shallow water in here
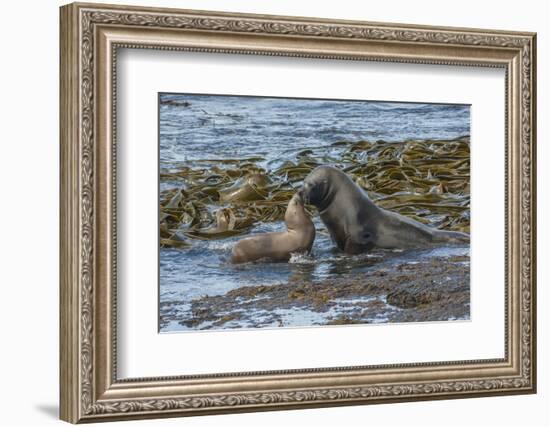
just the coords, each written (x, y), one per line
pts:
(206, 271)
(275, 130)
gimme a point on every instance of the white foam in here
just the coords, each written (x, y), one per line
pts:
(300, 258)
(220, 245)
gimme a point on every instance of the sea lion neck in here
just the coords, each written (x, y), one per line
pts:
(327, 198)
(297, 219)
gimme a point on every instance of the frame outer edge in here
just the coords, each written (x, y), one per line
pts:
(77, 225)
(305, 19)
(69, 355)
(533, 206)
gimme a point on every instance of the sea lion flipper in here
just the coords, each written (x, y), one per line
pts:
(361, 242)
(452, 236)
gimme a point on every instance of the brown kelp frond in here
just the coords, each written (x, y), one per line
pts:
(215, 199)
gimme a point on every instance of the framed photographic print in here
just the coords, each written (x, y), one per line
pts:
(266, 212)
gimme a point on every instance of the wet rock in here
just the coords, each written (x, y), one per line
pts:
(410, 298)
(344, 320)
(429, 290)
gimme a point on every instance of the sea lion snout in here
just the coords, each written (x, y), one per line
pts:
(297, 198)
(315, 188)
(308, 193)
(302, 194)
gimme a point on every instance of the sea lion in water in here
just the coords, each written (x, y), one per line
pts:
(279, 246)
(356, 224)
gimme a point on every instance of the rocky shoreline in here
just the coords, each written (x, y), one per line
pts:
(435, 289)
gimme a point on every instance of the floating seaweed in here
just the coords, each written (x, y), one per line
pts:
(219, 198)
(175, 103)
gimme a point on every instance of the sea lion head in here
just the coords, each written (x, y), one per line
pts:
(316, 189)
(295, 215)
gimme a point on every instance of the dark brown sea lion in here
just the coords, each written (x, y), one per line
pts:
(298, 238)
(356, 224)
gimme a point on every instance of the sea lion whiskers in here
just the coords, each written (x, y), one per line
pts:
(317, 192)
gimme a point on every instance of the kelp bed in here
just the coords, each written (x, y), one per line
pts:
(219, 198)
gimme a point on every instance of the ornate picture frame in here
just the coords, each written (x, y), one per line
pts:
(90, 37)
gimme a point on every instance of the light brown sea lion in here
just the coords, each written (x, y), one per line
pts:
(298, 238)
(356, 224)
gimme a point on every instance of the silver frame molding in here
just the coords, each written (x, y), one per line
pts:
(90, 37)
